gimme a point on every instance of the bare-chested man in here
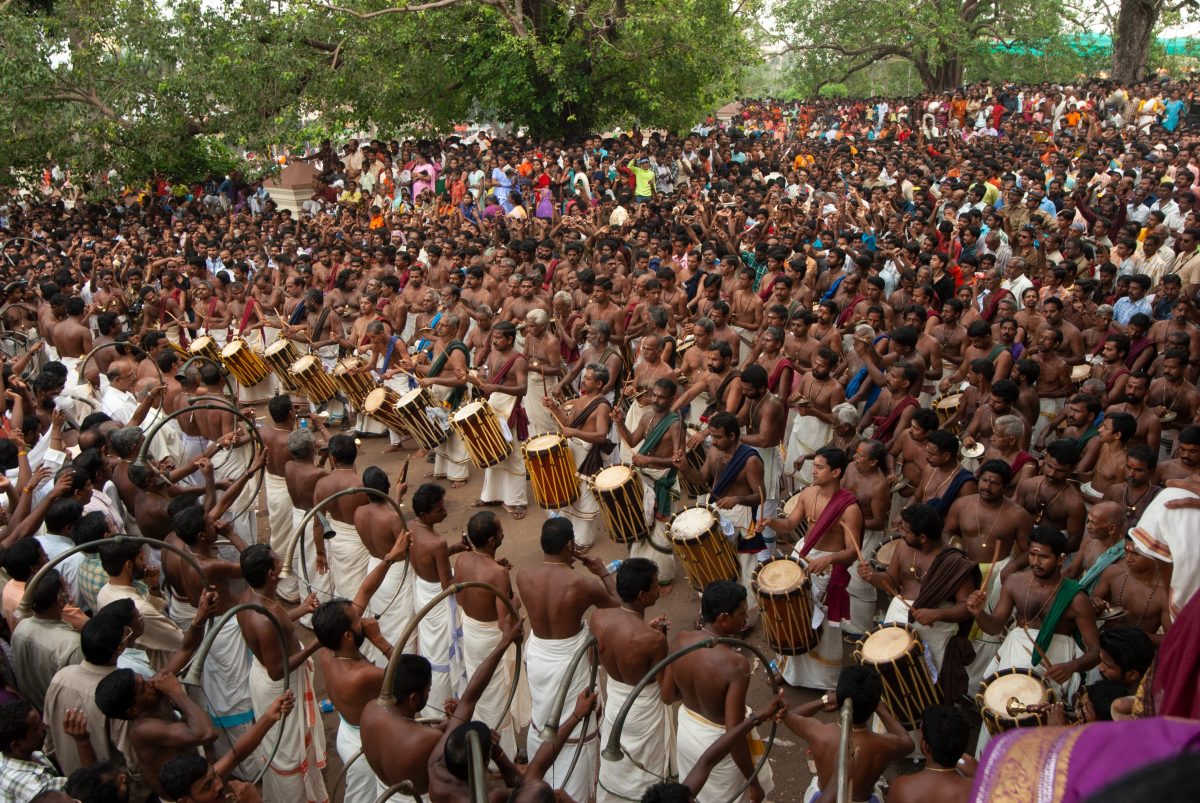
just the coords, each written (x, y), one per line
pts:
(1051, 498)
(712, 684)
(993, 529)
(1138, 488)
(1049, 610)
(556, 599)
(813, 400)
(1104, 457)
(720, 384)
(1149, 424)
(1103, 546)
(215, 424)
(483, 620)
(944, 740)
(1137, 585)
(544, 355)
(348, 554)
(380, 526)
(873, 752)
(1186, 463)
(763, 416)
(72, 337)
(352, 680)
(629, 646)
(832, 529)
(1053, 384)
(867, 478)
(301, 475)
(295, 770)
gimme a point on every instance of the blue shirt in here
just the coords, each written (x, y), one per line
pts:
(1125, 309)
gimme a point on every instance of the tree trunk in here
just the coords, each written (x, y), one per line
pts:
(1131, 44)
(946, 76)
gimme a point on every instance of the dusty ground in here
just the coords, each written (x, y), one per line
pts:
(788, 758)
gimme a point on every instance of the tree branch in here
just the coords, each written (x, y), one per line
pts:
(87, 97)
(370, 15)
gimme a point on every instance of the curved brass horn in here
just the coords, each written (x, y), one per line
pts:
(612, 750)
(24, 609)
(297, 538)
(389, 674)
(195, 668)
(225, 408)
(87, 357)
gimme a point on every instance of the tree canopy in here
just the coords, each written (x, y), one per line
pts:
(171, 83)
(834, 39)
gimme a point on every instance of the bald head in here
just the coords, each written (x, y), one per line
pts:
(1105, 520)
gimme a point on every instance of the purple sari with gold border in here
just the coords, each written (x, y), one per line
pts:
(1066, 764)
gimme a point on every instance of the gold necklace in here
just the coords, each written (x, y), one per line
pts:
(635, 613)
(1046, 604)
(995, 518)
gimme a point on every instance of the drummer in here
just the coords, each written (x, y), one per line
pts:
(505, 388)
(1051, 612)
(811, 427)
(943, 478)
(649, 369)
(830, 521)
(585, 427)
(763, 415)
(867, 479)
(210, 315)
(992, 528)
(312, 323)
(721, 382)
(442, 378)
(930, 583)
(658, 438)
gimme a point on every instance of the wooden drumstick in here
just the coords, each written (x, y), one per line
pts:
(403, 472)
(987, 577)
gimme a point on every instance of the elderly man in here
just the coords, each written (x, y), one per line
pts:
(543, 349)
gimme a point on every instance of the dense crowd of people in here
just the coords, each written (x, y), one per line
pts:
(904, 390)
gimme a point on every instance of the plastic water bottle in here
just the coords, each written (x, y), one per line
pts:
(304, 423)
(326, 706)
(773, 666)
(613, 565)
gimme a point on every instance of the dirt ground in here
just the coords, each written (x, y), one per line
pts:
(788, 757)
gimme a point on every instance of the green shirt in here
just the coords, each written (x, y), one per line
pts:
(644, 187)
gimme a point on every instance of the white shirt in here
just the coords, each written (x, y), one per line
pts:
(54, 545)
(118, 404)
(1017, 287)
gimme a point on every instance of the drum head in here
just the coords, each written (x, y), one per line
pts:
(887, 644)
(200, 344)
(1081, 372)
(883, 554)
(346, 365)
(277, 346)
(412, 395)
(543, 443)
(780, 576)
(997, 691)
(468, 410)
(612, 477)
(232, 347)
(950, 402)
(375, 399)
(791, 503)
(690, 524)
(303, 364)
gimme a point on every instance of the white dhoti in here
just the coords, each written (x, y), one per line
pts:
(986, 645)
(479, 639)
(360, 783)
(739, 519)
(225, 687)
(696, 408)
(279, 519)
(935, 636)
(818, 668)
(541, 420)
(694, 735)
(772, 459)
(657, 545)
(450, 459)
(244, 513)
(584, 510)
(1017, 650)
(862, 593)
(320, 584)
(295, 772)
(637, 411)
(348, 558)
(1047, 410)
(813, 793)
(440, 636)
(647, 736)
(193, 447)
(392, 603)
(546, 663)
(168, 438)
(808, 434)
(505, 481)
